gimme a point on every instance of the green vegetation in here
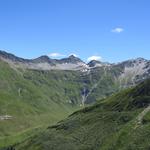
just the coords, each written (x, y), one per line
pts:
(34, 98)
(111, 124)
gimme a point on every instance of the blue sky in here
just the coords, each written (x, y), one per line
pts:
(114, 30)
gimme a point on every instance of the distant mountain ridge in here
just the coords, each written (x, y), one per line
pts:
(126, 73)
(44, 62)
(69, 60)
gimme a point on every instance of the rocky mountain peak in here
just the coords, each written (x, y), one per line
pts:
(133, 62)
(96, 63)
(71, 59)
(140, 60)
(93, 63)
(42, 59)
(10, 56)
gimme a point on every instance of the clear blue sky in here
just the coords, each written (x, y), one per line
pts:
(116, 30)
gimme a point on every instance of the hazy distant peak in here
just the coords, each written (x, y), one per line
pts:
(11, 57)
(96, 63)
(71, 59)
(42, 59)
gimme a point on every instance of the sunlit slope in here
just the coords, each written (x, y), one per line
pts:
(121, 121)
(33, 98)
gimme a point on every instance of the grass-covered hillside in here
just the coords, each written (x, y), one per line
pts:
(120, 122)
(32, 98)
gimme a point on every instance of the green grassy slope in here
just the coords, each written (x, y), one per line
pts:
(114, 123)
(38, 98)
(34, 98)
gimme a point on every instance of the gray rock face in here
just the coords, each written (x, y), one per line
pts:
(134, 71)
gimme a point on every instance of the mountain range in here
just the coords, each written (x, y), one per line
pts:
(137, 68)
(36, 93)
(125, 73)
